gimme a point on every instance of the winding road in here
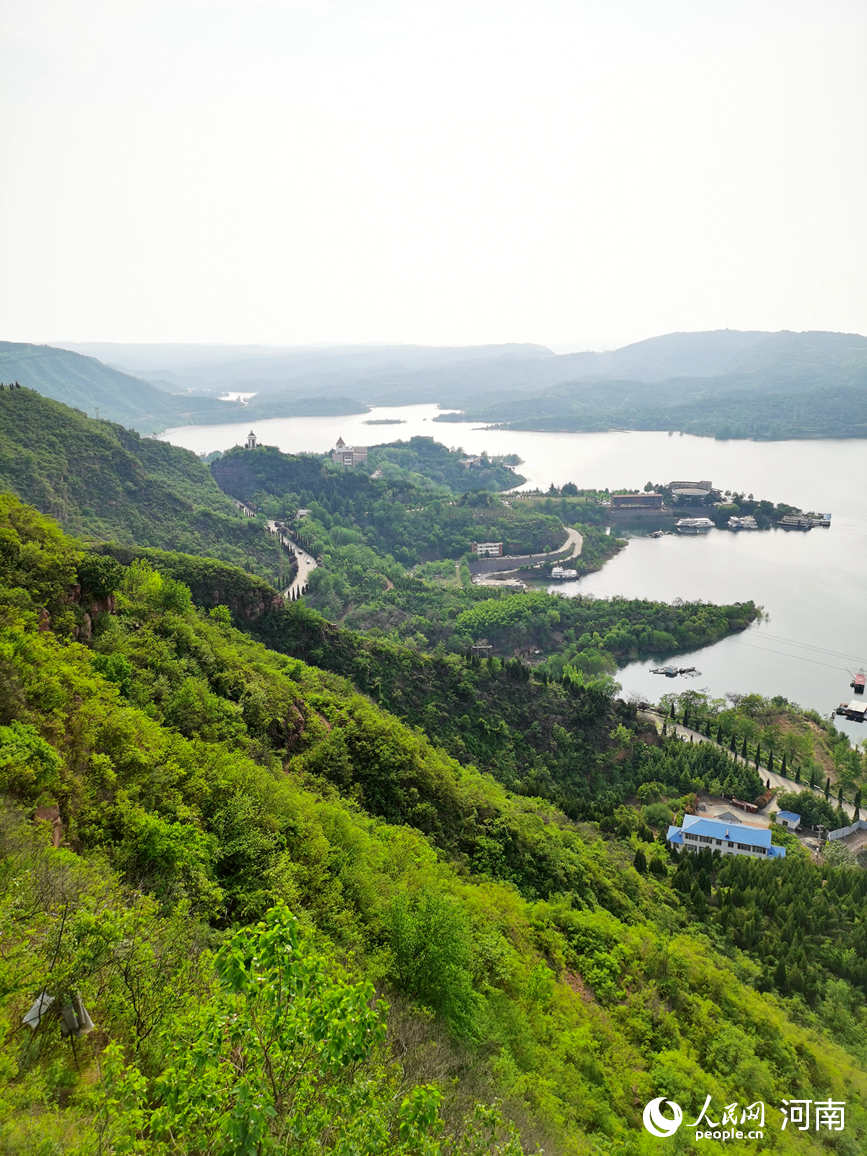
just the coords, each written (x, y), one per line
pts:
(306, 562)
(573, 540)
(777, 781)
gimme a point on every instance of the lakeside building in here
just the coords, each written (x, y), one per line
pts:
(643, 501)
(691, 493)
(349, 455)
(488, 549)
(697, 834)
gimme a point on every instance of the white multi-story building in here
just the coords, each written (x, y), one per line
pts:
(349, 455)
(697, 834)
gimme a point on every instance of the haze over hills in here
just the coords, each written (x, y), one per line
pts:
(728, 383)
(703, 354)
(100, 390)
(95, 388)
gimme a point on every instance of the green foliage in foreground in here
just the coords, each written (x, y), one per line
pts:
(284, 1056)
(203, 781)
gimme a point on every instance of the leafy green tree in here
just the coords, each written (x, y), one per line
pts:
(285, 1056)
(432, 948)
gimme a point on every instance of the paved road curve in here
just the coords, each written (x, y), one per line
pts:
(778, 781)
(306, 563)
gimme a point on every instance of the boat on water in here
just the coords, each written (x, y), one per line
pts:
(857, 682)
(747, 522)
(795, 522)
(693, 525)
(563, 573)
(674, 671)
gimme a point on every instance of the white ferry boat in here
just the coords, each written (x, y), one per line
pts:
(693, 525)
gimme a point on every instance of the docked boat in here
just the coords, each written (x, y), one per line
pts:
(693, 525)
(857, 682)
(563, 573)
(795, 522)
(747, 522)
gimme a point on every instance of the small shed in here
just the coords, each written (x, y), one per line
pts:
(789, 819)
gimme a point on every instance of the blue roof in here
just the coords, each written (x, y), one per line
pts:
(790, 815)
(735, 832)
(730, 832)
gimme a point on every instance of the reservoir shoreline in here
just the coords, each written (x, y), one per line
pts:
(811, 585)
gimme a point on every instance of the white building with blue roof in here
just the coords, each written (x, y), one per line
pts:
(697, 834)
(789, 819)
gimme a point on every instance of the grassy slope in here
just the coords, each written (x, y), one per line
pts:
(109, 483)
(95, 388)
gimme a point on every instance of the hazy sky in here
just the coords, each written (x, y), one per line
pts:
(581, 173)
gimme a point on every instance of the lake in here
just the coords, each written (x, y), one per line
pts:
(811, 585)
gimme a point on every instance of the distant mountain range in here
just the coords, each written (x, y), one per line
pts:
(95, 388)
(729, 383)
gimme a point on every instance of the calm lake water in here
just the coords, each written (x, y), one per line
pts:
(812, 586)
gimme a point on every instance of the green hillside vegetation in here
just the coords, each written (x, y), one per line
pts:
(101, 391)
(394, 516)
(221, 803)
(366, 531)
(107, 483)
(98, 390)
(587, 636)
(424, 458)
(759, 407)
(813, 749)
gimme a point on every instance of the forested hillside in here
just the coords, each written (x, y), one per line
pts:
(402, 515)
(235, 825)
(423, 458)
(97, 389)
(109, 483)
